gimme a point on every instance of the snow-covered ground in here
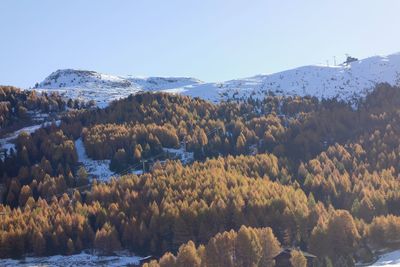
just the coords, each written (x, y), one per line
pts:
(391, 259)
(82, 259)
(180, 153)
(104, 88)
(346, 81)
(98, 169)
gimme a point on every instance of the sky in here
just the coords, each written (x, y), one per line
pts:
(213, 40)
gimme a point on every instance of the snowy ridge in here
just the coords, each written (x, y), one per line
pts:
(346, 82)
(70, 78)
(103, 88)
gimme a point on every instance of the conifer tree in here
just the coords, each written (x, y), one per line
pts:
(248, 248)
(187, 256)
(297, 259)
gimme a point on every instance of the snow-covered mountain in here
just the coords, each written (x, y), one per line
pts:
(103, 88)
(346, 81)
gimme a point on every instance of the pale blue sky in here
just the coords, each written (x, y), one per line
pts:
(213, 40)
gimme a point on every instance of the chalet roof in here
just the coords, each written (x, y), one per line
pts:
(147, 258)
(288, 250)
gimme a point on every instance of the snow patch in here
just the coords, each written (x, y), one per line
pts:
(98, 169)
(391, 259)
(82, 259)
(181, 154)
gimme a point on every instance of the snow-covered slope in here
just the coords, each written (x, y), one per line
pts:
(82, 259)
(345, 81)
(391, 259)
(98, 169)
(103, 88)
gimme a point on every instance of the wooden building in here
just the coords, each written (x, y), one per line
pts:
(282, 259)
(3, 191)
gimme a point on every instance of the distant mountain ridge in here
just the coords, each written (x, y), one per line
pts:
(346, 81)
(83, 78)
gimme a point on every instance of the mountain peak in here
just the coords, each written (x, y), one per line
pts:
(64, 78)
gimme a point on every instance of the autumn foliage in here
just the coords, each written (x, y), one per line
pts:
(268, 173)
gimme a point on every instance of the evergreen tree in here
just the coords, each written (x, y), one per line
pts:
(297, 259)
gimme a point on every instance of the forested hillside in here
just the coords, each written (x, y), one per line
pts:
(321, 176)
(17, 105)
